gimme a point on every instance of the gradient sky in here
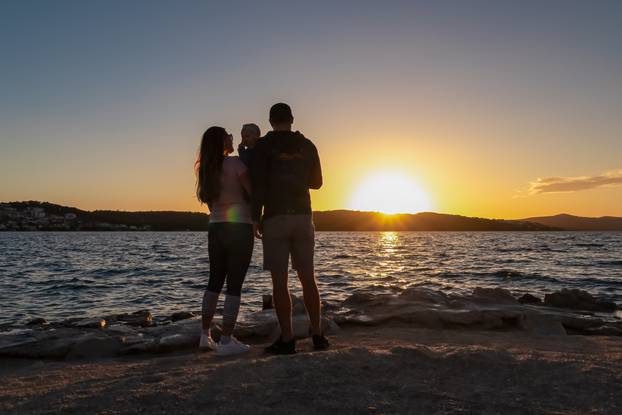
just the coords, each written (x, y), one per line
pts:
(103, 103)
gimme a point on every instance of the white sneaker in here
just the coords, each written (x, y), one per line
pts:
(233, 347)
(207, 343)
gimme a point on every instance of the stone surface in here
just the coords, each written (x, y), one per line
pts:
(578, 300)
(182, 315)
(179, 341)
(95, 345)
(93, 323)
(529, 299)
(543, 325)
(298, 305)
(267, 302)
(485, 309)
(141, 318)
(493, 295)
(424, 295)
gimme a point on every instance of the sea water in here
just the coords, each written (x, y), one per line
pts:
(57, 275)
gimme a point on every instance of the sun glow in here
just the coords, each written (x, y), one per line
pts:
(390, 193)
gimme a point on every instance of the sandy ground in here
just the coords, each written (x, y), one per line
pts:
(380, 370)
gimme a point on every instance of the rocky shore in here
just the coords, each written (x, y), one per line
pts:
(566, 312)
(419, 351)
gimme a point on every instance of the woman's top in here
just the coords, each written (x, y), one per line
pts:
(232, 205)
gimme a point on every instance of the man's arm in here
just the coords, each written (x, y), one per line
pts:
(315, 176)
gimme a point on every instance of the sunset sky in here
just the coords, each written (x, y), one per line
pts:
(487, 108)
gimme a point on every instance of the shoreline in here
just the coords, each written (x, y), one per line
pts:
(419, 351)
(394, 368)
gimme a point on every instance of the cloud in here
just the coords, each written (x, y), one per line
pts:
(574, 184)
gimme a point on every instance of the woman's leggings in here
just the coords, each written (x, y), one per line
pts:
(230, 247)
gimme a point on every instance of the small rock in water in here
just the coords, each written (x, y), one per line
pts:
(142, 318)
(499, 295)
(359, 298)
(576, 299)
(267, 303)
(39, 321)
(529, 299)
(424, 295)
(326, 306)
(91, 323)
(181, 315)
(298, 306)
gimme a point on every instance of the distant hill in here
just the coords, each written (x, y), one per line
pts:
(33, 215)
(579, 223)
(347, 220)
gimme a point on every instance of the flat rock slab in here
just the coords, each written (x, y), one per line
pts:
(484, 309)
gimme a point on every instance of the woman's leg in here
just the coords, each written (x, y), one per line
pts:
(238, 259)
(217, 274)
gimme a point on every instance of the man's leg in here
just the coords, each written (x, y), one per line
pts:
(282, 304)
(312, 299)
(276, 260)
(303, 245)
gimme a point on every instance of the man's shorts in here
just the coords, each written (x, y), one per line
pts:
(285, 235)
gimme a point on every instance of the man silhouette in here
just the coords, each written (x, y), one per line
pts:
(285, 166)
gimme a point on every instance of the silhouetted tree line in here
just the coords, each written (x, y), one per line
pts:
(336, 220)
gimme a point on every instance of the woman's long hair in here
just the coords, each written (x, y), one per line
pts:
(209, 164)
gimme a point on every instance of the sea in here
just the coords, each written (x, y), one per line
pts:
(59, 275)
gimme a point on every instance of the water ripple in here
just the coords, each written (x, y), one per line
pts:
(60, 275)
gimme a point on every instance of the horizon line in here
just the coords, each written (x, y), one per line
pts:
(322, 211)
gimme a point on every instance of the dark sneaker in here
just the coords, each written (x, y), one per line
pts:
(320, 342)
(281, 347)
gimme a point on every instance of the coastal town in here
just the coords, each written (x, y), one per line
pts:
(29, 217)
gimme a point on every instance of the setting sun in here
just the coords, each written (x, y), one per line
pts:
(390, 192)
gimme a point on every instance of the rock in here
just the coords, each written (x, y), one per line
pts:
(38, 321)
(327, 306)
(15, 340)
(606, 330)
(91, 323)
(493, 295)
(267, 302)
(424, 295)
(529, 299)
(543, 325)
(134, 339)
(259, 324)
(141, 318)
(181, 315)
(137, 345)
(363, 298)
(180, 340)
(580, 324)
(46, 344)
(298, 306)
(576, 299)
(122, 329)
(95, 345)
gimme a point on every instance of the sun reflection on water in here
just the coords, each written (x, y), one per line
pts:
(389, 241)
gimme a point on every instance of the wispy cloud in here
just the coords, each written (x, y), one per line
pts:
(575, 184)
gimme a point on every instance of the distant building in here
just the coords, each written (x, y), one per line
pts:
(70, 216)
(37, 212)
(56, 219)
